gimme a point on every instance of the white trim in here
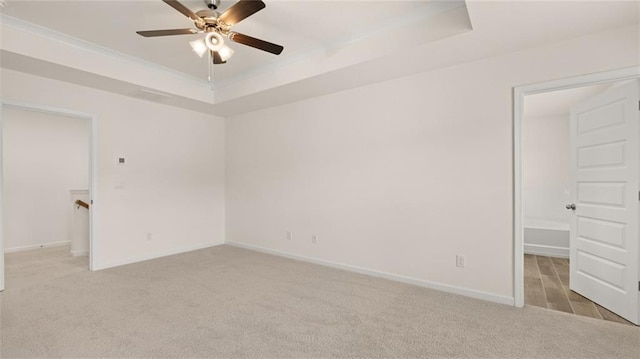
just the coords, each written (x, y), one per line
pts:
(491, 297)
(79, 191)
(548, 225)
(37, 246)
(137, 259)
(79, 253)
(93, 192)
(519, 92)
(548, 251)
(93, 170)
(2, 227)
(46, 109)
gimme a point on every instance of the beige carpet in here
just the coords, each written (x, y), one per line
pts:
(233, 303)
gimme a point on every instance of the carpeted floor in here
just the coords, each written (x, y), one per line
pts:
(233, 303)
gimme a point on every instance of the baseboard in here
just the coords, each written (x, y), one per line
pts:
(548, 251)
(374, 273)
(37, 246)
(99, 266)
(79, 253)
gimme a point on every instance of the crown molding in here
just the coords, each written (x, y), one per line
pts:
(59, 37)
(429, 10)
(233, 87)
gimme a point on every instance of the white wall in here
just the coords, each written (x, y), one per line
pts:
(401, 176)
(545, 185)
(173, 179)
(44, 156)
(546, 172)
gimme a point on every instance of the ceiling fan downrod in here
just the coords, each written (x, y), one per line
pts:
(215, 25)
(212, 4)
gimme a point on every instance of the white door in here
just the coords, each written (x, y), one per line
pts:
(605, 168)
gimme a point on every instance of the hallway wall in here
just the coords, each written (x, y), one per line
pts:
(169, 196)
(44, 157)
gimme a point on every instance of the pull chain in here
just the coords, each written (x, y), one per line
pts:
(210, 69)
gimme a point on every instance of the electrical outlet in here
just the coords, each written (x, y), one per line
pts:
(289, 236)
(149, 236)
(460, 261)
(314, 239)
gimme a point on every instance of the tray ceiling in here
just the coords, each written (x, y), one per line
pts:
(300, 26)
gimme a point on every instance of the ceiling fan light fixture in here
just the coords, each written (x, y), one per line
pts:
(215, 26)
(214, 41)
(225, 52)
(199, 47)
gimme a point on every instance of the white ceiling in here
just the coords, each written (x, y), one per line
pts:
(300, 26)
(329, 45)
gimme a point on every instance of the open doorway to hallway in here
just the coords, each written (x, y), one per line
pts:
(46, 162)
(577, 215)
(546, 191)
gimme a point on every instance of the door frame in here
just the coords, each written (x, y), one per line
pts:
(519, 93)
(93, 170)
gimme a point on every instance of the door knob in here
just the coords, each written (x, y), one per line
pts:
(571, 206)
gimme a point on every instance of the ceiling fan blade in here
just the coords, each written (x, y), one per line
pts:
(257, 43)
(216, 58)
(183, 9)
(241, 10)
(154, 33)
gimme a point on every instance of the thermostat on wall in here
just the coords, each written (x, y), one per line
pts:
(120, 160)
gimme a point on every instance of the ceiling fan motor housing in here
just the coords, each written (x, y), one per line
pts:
(212, 4)
(216, 25)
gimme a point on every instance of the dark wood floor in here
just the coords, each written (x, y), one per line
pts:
(546, 284)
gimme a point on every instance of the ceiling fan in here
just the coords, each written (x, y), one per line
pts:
(216, 25)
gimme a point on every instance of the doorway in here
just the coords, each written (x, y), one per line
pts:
(38, 116)
(540, 196)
